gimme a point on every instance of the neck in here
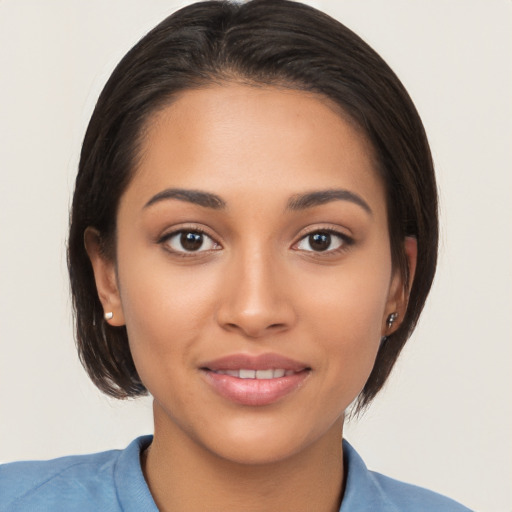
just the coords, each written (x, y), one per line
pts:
(184, 476)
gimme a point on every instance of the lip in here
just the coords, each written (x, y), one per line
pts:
(254, 392)
(261, 362)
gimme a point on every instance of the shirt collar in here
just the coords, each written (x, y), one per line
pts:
(131, 487)
(362, 490)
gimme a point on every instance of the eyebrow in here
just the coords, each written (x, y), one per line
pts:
(317, 198)
(205, 199)
(297, 202)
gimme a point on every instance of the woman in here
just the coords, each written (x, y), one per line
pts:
(253, 236)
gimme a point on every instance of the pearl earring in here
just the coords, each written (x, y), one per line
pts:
(108, 315)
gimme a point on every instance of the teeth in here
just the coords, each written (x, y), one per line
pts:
(264, 374)
(256, 374)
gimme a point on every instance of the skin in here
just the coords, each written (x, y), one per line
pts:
(257, 287)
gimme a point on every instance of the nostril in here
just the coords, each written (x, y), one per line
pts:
(254, 320)
(254, 330)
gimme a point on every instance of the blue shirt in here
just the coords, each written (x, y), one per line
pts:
(113, 482)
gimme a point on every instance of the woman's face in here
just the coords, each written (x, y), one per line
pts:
(253, 269)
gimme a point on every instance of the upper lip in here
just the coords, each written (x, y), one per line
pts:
(249, 362)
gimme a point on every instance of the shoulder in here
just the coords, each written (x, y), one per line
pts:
(76, 483)
(368, 490)
(411, 498)
(83, 480)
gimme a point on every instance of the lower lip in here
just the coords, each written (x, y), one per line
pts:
(254, 391)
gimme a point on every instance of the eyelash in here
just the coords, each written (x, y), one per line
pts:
(344, 241)
(165, 239)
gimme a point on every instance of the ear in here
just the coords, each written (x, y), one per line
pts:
(105, 277)
(399, 289)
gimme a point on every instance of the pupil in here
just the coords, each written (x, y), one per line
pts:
(320, 241)
(191, 241)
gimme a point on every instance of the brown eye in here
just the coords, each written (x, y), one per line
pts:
(322, 241)
(190, 241)
(319, 241)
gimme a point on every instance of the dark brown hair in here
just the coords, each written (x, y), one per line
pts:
(268, 42)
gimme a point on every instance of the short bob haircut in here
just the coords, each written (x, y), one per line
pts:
(259, 43)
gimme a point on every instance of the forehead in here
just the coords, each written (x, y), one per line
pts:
(222, 138)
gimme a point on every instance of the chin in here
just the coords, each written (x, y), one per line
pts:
(251, 452)
(265, 441)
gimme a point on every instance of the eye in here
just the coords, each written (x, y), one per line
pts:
(323, 241)
(187, 241)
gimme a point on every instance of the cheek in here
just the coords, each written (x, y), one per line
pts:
(344, 314)
(165, 310)
(349, 301)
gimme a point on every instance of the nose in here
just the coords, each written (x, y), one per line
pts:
(255, 298)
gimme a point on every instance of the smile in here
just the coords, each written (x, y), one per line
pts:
(256, 374)
(254, 380)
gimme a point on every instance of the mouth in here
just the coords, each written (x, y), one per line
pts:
(276, 373)
(255, 380)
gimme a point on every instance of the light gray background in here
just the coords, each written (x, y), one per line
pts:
(444, 420)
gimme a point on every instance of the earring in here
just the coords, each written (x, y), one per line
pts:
(108, 315)
(391, 320)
